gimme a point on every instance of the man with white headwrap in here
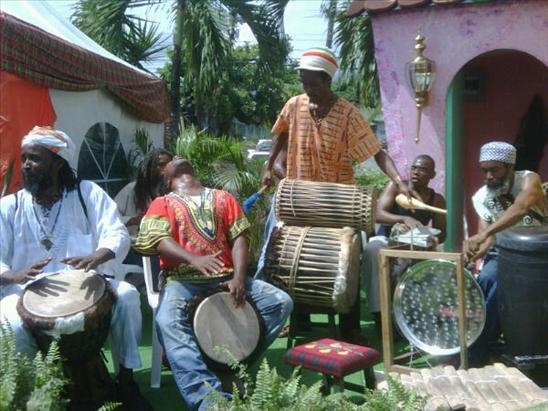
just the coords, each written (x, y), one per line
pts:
(324, 135)
(508, 198)
(59, 223)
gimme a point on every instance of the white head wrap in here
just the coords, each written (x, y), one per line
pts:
(54, 140)
(498, 151)
(319, 59)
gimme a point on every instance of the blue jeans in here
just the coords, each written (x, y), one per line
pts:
(487, 280)
(179, 342)
(268, 228)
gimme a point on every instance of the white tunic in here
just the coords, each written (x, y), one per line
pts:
(72, 235)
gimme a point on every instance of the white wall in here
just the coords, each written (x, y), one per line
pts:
(78, 111)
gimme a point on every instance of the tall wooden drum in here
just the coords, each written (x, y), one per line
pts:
(308, 203)
(315, 265)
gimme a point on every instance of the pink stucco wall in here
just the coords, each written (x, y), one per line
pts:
(455, 34)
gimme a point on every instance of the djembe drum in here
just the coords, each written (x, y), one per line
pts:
(315, 265)
(74, 308)
(308, 203)
(224, 331)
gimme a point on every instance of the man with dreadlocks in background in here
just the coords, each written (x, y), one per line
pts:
(134, 199)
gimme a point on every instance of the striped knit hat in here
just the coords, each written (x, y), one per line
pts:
(319, 59)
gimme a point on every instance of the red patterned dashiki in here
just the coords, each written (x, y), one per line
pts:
(202, 226)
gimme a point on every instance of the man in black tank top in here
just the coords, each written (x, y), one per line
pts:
(390, 213)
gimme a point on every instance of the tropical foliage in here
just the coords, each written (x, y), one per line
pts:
(112, 24)
(354, 41)
(272, 392)
(25, 384)
(243, 91)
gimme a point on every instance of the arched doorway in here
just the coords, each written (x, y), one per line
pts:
(102, 158)
(491, 98)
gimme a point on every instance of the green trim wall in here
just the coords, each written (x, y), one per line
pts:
(454, 154)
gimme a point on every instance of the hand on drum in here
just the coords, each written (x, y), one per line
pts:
(91, 261)
(474, 247)
(20, 277)
(237, 290)
(207, 264)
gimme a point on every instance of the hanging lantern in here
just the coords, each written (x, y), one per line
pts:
(421, 71)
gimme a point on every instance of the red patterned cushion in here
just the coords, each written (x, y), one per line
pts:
(332, 357)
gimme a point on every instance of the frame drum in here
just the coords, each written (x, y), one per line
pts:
(315, 265)
(308, 203)
(217, 323)
(70, 306)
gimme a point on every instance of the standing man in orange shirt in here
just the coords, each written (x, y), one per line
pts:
(324, 134)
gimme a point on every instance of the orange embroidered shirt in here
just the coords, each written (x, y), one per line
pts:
(325, 154)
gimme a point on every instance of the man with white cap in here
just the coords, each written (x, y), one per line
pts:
(59, 223)
(324, 135)
(508, 198)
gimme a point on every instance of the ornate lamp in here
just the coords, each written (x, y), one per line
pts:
(421, 71)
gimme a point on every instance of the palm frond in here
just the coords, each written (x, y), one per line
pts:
(354, 38)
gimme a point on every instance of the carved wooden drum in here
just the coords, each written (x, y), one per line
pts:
(220, 327)
(315, 265)
(308, 203)
(72, 307)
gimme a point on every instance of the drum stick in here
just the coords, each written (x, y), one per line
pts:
(403, 201)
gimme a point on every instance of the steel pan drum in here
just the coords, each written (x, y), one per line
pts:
(426, 307)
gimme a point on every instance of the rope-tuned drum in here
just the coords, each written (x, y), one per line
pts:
(315, 265)
(308, 203)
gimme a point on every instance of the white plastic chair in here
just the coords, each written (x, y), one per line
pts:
(153, 299)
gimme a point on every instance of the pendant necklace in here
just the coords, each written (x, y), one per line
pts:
(46, 234)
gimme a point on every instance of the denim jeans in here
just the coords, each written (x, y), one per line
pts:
(179, 342)
(487, 280)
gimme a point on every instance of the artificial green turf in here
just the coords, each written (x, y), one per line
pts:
(167, 397)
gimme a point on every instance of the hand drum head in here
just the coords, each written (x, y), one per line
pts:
(426, 307)
(217, 323)
(64, 293)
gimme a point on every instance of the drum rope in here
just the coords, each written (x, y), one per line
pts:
(294, 263)
(291, 198)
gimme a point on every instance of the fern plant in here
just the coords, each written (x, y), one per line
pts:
(272, 392)
(29, 385)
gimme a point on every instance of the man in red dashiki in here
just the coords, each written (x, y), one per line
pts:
(199, 234)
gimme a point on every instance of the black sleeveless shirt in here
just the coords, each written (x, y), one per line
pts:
(421, 215)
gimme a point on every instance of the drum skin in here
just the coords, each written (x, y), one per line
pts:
(217, 323)
(315, 265)
(51, 306)
(308, 203)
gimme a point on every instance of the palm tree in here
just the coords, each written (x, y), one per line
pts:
(112, 24)
(201, 36)
(202, 41)
(354, 39)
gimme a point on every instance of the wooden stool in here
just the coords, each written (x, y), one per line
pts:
(335, 360)
(307, 309)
